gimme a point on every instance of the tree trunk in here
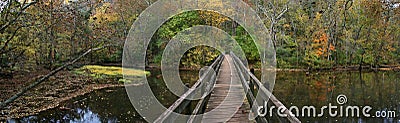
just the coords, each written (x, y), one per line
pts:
(42, 79)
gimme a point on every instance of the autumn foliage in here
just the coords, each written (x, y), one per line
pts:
(321, 45)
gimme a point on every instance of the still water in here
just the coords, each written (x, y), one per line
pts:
(379, 90)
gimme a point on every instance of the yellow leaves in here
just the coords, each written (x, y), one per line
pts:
(104, 8)
(103, 15)
(30, 51)
(318, 16)
(110, 71)
(198, 56)
(113, 71)
(67, 2)
(25, 1)
(213, 18)
(286, 25)
(304, 18)
(390, 48)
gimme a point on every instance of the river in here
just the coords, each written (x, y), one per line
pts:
(379, 90)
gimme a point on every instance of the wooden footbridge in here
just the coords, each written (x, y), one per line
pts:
(230, 94)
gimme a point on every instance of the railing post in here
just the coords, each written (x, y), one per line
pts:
(183, 104)
(203, 87)
(251, 84)
(189, 107)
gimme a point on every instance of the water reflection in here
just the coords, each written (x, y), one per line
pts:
(380, 90)
(100, 106)
(110, 105)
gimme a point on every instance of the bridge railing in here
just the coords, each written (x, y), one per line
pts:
(201, 88)
(250, 84)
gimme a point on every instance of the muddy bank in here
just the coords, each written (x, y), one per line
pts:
(61, 87)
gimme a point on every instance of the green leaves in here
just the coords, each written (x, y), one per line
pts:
(178, 23)
(309, 34)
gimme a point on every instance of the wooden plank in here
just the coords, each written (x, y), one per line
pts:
(228, 79)
(226, 102)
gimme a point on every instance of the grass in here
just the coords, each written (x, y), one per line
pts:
(98, 71)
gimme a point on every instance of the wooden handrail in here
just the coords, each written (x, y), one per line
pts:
(249, 94)
(200, 107)
(265, 93)
(244, 75)
(189, 93)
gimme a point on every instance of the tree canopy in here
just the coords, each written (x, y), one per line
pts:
(306, 33)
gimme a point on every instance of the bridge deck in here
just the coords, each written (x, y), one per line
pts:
(228, 96)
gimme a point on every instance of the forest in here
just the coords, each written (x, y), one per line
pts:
(305, 33)
(59, 43)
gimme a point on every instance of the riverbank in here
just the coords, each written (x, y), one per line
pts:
(61, 87)
(340, 68)
(66, 85)
(336, 68)
(347, 68)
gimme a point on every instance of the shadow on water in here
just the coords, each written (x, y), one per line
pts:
(108, 105)
(99, 106)
(380, 90)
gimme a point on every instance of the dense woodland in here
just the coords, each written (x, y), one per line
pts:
(305, 33)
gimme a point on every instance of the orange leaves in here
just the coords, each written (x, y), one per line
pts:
(319, 52)
(323, 38)
(331, 47)
(321, 44)
(320, 88)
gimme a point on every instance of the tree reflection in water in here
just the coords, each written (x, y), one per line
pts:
(380, 90)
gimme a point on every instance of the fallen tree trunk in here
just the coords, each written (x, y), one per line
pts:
(42, 79)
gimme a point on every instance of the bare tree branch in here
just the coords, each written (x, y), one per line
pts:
(42, 79)
(282, 13)
(18, 15)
